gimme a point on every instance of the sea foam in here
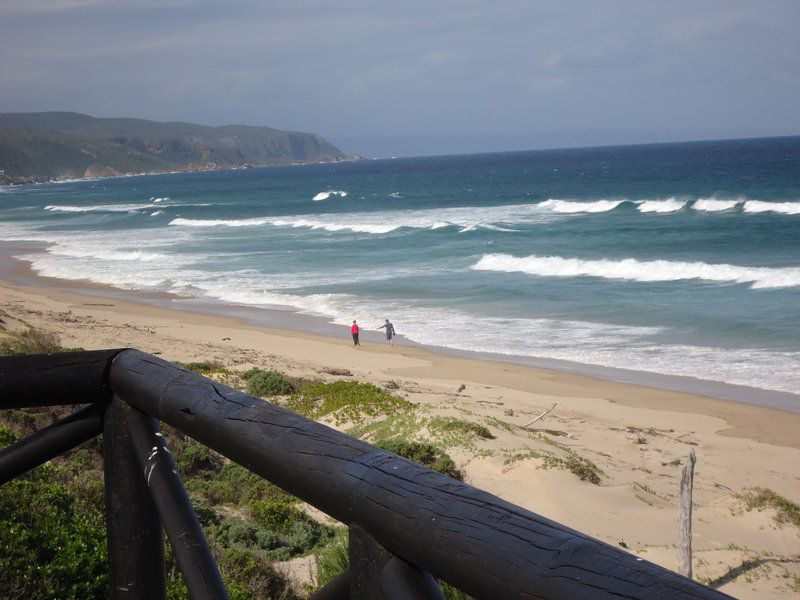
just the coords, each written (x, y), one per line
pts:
(713, 204)
(759, 206)
(570, 206)
(328, 194)
(636, 270)
(97, 208)
(669, 205)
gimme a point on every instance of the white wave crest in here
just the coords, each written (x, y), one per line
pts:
(105, 254)
(155, 199)
(466, 218)
(96, 208)
(669, 205)
(568, 206)
(156, 213)
(714, 205)
(219, 222)
(635, 270)
(328, 194)
(759, 206)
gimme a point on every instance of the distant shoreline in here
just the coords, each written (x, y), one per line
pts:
(188, 169)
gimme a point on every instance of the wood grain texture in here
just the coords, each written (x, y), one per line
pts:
(55, 379)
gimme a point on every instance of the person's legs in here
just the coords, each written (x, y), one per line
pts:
(358, 343)
(355, 339)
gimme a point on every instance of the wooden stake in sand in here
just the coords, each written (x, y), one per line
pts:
(685, 517)
(540, 416)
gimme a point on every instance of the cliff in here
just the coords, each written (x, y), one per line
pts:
(62, 145)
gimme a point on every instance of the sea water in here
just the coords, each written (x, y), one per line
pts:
(678, 259)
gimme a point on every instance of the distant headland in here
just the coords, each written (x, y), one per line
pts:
(54, 146)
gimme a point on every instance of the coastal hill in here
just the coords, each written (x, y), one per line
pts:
(64, 145)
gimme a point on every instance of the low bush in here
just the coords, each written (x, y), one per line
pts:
(424, 454)
(30, 341)
(761, 498)
(194, 459)
(268, 383)
(346, 400)
(459, 428)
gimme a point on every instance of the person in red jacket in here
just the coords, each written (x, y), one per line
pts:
(354, 331)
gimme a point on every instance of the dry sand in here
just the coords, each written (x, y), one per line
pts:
(638, 436)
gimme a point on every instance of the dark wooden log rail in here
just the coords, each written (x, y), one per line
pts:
(408, 524)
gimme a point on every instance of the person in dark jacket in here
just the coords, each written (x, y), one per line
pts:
(354, 331)
(389, 332)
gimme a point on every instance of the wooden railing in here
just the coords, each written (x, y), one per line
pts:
(408, 525)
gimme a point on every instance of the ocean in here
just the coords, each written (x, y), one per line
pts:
(676, 259)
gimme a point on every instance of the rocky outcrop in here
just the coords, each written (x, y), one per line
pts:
(44, 146)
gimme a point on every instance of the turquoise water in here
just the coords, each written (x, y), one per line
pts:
(680, 259)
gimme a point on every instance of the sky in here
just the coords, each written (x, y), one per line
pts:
(358, 68)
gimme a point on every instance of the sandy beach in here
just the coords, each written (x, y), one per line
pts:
(637, 437)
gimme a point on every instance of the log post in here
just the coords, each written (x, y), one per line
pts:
(41, 446)
(377, 574)
(200, 572)
(685, 517)
(135, 541)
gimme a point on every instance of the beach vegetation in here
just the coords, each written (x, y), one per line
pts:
(345, 401)
(424, 454)
(568, 460)
(458, 432)
(31, 341)
(205, 367)
(786, 511)
(268, 383)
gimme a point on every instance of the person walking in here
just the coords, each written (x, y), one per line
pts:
(389, 332)
(354, 331)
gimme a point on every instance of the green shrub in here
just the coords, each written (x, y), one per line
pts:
(274, 514)
(424, 454)
(193, 459)
(204, 367)
(460, 428)
(7, 436)
(332, 558)
(234, 484)
(51, 546)
(268, 383)
(346, 400)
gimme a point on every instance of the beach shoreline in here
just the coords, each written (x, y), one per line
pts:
(19, 272)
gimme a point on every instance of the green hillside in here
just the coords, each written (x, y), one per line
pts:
(60, 145)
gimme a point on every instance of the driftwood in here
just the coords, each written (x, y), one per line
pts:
(685, 517)
(540, 416)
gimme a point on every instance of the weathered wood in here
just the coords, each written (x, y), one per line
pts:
(685, 517)
(483, 545)
(377, 574)
(337, 588)
(49, 442)
(54, 379)
(539, 416)
(135, 541)
(177, 515)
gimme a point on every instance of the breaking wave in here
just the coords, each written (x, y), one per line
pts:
(328, 194)
(570, 206)
(714, 205)
(759, 206)
(669, 205)
(636, 270)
